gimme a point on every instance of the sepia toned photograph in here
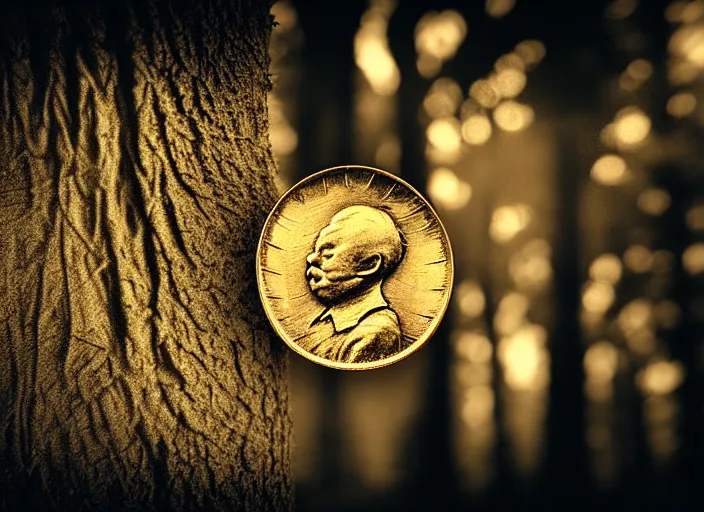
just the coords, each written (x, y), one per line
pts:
(351, 255)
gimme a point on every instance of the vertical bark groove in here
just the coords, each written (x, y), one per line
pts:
(136, 369)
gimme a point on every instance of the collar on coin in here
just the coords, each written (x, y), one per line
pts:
(348, 314)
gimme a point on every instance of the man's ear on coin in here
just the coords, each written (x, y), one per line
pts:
(369, 265)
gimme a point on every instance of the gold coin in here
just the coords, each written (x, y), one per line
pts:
(354, 268)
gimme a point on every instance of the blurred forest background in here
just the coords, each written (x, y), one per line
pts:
(561, 144)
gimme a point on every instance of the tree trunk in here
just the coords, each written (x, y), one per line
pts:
(136, 367)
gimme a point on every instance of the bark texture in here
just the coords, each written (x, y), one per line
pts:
(136, 368)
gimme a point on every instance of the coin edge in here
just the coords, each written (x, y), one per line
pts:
(416, 345)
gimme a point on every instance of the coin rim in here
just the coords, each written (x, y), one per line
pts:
(417, 344)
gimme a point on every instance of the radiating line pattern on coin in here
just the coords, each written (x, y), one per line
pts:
(354, 268)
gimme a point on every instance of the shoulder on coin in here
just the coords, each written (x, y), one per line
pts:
(376, 336)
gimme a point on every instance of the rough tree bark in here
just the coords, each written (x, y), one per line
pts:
(136, 368)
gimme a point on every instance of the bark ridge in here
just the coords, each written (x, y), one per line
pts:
(136, 368)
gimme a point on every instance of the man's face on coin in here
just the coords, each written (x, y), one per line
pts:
(333, 263)
(352, 253)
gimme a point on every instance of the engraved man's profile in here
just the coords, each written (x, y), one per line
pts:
(359, 248)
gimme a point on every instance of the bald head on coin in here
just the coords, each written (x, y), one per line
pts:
(359, 248)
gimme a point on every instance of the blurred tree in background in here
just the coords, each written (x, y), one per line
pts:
(559, 143)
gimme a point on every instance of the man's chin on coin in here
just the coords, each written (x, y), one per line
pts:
(326, 290)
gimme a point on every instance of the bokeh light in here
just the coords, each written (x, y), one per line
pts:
(484, 93)
(681, 104)
(695, 217)
(660, 377)
(641, 69)
(499, 8)
(530, 268)
(443, 98)
(636, 322)
(607, 268)
(681, 72)
(601, 362)
(371, 49)
(474, 347)
(688, 43)
(692, 11)
(437, 38)
(447, 190)
(638, 258)
(428, 65)
(510, 82)
(597, 297)
(509, 220)
(511, 313)
(470, 299)
(673, 11)
(635, 315)
(444, 134)
(600, 366)
(610, 170)
(478, 405)
(476, 129)
(469, 374)
(654, 201)
(388, 153)
(524, 358)
(283, 137)
(512, 116)
(469, 107)
(608, 136)
(631, 126)
(635, 75)
(531, 51)
(510, 61)
(693, 258)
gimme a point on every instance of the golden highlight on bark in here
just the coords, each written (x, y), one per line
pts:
(136, 368)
